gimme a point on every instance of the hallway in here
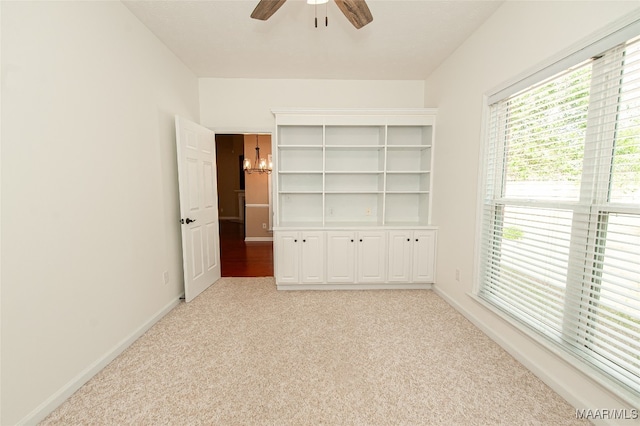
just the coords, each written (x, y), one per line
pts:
(243, 259)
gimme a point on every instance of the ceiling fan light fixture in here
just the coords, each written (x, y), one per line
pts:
(356, 11)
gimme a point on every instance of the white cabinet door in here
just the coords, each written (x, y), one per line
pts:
(370, 247)
(312, 257)
(355, 257)
(412, 256)
(400, 255)
(341, 248)
(372, 251)
(287, 257)
(424, 245)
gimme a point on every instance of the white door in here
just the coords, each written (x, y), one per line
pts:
(198, 206)
(287, 257)
(372, 252)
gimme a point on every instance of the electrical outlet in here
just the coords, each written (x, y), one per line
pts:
(165, 277)
(368, 211)
(457, 274)
(264, 226)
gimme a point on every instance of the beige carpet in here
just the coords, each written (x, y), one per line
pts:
(243, 353)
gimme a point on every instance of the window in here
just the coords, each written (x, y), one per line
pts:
(560, 249)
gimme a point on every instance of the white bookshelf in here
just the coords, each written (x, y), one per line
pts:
(377, 171)
(352, 171)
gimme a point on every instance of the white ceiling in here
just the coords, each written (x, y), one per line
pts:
(407, 40)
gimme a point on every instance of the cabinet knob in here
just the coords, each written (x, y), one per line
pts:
(304, 241)
(295, 241)
(416, 239)
(408, 239)
(360, 239)
(351, 240)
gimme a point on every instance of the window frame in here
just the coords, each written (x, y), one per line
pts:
(593, 208)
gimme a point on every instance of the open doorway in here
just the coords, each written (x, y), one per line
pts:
(246, 241)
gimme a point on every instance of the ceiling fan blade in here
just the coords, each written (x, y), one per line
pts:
(266, 8)
(356, 11)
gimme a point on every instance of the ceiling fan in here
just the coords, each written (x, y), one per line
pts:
(356, 11)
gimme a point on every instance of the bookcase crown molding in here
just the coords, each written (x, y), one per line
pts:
(385, 112)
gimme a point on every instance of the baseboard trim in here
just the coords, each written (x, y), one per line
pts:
(250, 239)
(55, 400)
(362, 286)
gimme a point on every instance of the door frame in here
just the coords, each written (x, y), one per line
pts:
(253, 131)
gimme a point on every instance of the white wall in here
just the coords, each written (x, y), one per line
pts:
(519, 36)
(245, 104)
(89, 193)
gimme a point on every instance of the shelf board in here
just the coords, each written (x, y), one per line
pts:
(301, 192)
(300, 146)
(339, 225)
(354, 172)
(351, 172)
(406, 224)
(315, 224)
(354, 146)
(356, 192)
(406, 192)
(297, 172)
(328, 223)
(408, 172)
(407, 147)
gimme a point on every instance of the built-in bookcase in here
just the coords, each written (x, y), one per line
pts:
(353, 199)
(353, 168)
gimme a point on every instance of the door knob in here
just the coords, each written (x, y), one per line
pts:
(188, 221)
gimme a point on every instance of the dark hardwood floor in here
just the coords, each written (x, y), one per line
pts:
(243, 259)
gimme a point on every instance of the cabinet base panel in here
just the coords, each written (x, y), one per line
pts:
(362, 286)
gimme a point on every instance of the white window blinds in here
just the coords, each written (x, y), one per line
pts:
(560, 245)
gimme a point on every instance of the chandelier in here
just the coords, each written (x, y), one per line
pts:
(260, 165)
